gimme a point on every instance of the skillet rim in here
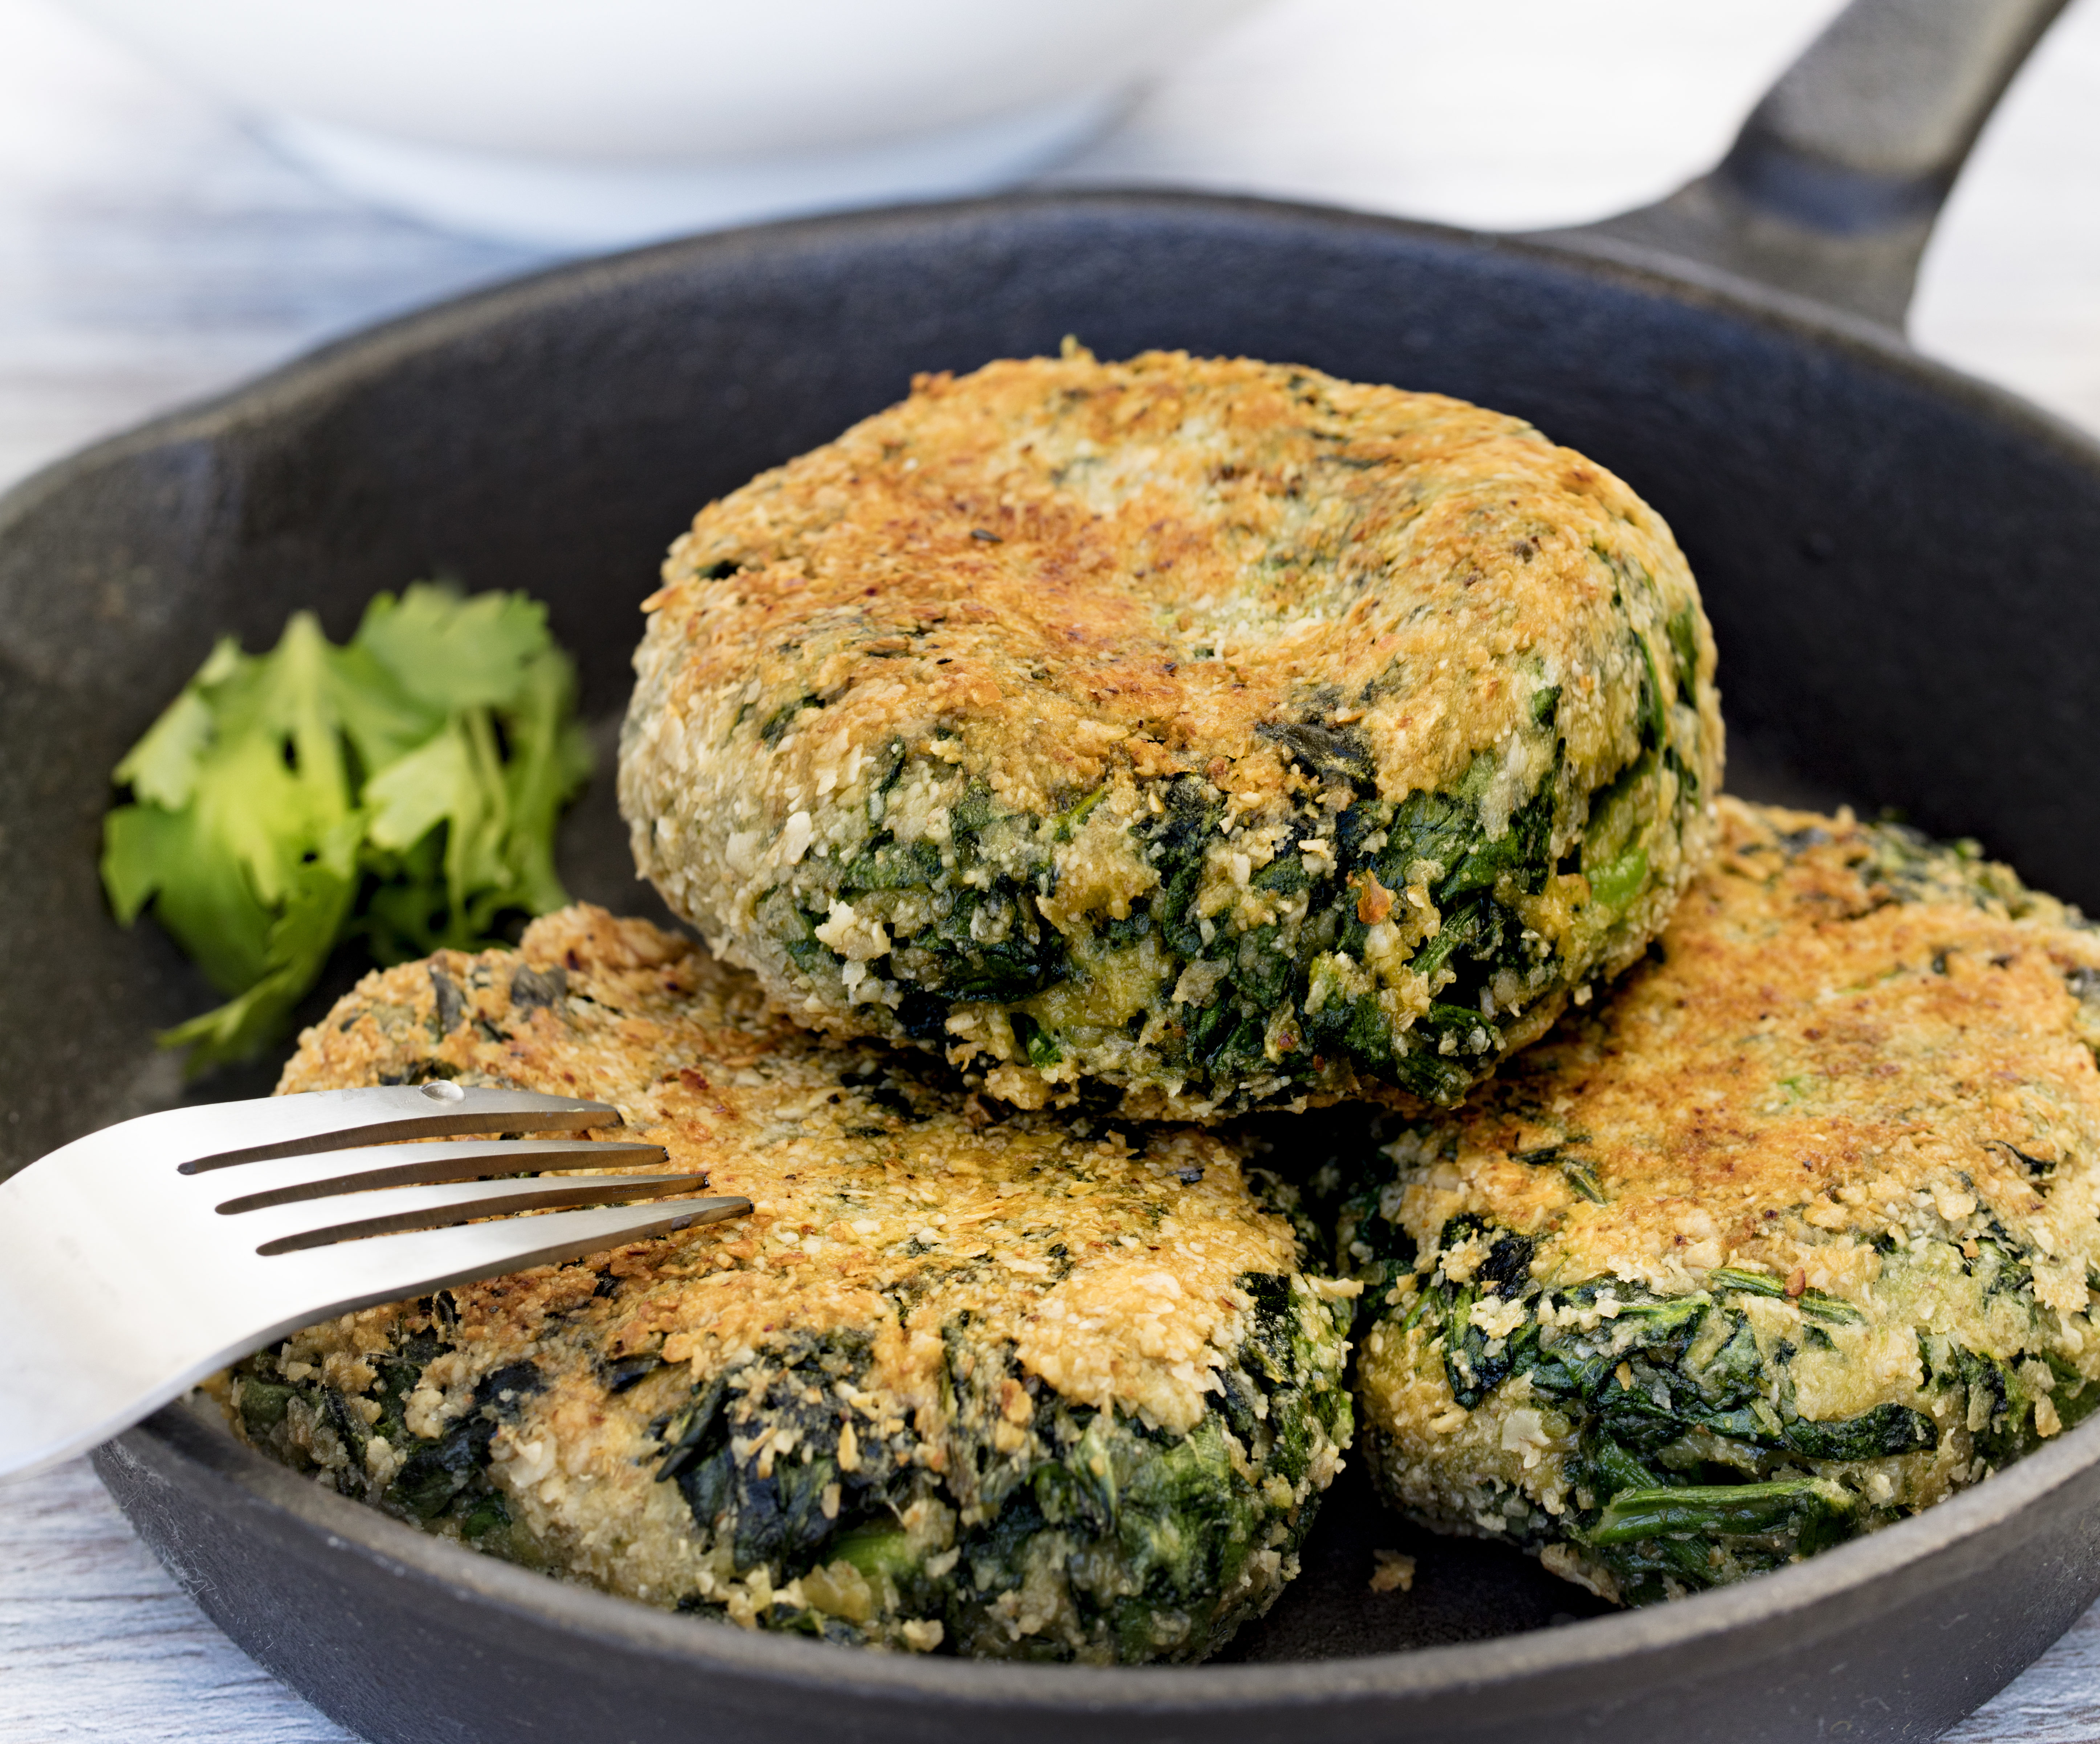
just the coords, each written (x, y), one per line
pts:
(365, 350)
(1867, 1564)
(1873, 1562)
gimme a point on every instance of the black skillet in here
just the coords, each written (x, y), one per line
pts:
(1901, 567)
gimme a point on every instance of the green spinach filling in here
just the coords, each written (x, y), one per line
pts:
(1694, 1466)
(442, 1484)
(1274, 1007)
(1151, 1533)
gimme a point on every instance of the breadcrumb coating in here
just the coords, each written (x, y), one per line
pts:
(1224, 732)
(1791, 1237)
(1005, 1386)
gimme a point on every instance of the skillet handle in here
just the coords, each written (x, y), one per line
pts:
(1831, 189)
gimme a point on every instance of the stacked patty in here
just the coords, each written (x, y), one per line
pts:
(1791, 1237)
(1008, 1386)
(1176, 740)
(1216, 731)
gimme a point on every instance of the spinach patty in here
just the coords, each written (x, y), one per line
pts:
(1791, 1237)
(1218, 732)
(1002, 1387)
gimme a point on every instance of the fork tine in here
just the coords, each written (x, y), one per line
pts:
(322, 1174)
(120, 1289)
(81, 1371)
(414, 1207)
(214, 1134)
(356, 1275)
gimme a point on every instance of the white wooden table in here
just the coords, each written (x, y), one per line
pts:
(150, 252)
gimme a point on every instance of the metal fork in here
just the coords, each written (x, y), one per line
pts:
(137, 1261)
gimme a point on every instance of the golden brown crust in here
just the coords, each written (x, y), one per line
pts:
(852, 1202)
(1810, 1045)
(928, 1307)
(1058, 589)
(1825, 1171)
(1085, 616)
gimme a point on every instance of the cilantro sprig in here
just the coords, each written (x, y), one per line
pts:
(403, 789)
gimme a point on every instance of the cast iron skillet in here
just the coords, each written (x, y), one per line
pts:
(1900, 566)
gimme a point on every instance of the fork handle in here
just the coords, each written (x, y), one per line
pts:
(72, 1383)
(71, 1378)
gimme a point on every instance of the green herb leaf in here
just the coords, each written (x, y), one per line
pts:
(403, 788)
(162, 767)
(448, 653)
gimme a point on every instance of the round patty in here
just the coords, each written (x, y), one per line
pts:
(1008, 1388)
(1225, 733)
(1790, 1237)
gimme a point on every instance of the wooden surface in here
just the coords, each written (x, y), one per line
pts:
(151, 252)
